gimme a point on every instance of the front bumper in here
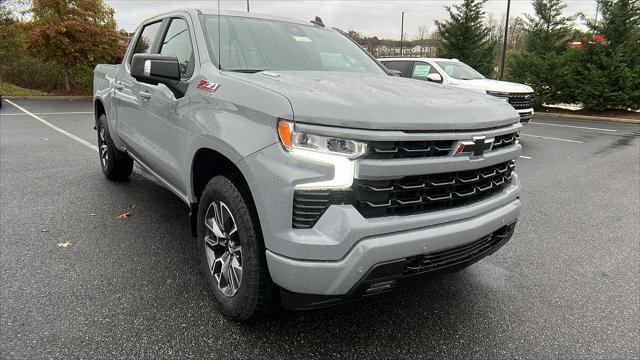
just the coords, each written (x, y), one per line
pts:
(334, 255)
(341, 276)
(386, 276)
(525, 115)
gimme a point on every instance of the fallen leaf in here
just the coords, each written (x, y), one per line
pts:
(128, 214)
(64, 244)
(93, 214)
(44, 230)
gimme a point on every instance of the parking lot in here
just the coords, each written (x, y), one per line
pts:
(78, 282)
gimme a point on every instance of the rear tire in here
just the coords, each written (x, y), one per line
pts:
(232, 250)
(116, 165)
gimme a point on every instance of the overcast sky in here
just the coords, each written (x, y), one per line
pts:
(370, 17)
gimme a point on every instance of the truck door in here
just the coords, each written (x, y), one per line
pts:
(162, 114)
(127, 89)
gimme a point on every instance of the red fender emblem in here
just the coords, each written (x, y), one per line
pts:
(208, 86)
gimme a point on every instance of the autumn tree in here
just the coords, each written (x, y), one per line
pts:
(72, 33)
(467, 37)
(10, 44)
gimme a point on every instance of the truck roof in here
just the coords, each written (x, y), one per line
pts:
(209, 11)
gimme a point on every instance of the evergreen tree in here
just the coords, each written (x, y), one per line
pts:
(542, 65)
(607, 73)
(619, 23)
(548, 30)
(466, 37)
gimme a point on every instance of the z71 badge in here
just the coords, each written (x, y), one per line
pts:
(208, 86)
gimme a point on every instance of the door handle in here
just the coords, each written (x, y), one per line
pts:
(119, 86)
(145, 95)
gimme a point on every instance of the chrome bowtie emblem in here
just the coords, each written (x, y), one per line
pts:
(475, 147)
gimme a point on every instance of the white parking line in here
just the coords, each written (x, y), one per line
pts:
(552, 138)
(52, 113)
(80, 140)
(572, 126)
(525, 157)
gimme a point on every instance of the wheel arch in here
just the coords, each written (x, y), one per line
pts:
(206, 164)
(98, 110)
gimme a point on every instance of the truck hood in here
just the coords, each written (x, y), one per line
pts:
(382, 102)
(493, 85)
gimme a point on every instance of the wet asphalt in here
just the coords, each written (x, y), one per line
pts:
(566, 286)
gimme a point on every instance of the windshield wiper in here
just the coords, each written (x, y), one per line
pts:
(246, 71)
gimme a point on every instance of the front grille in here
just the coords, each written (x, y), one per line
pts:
(521, 100)
(451, 257)
(422, 149)
(405, 196)
(417, 194)
(409, 149)
(502, 141)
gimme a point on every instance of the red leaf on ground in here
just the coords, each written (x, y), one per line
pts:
(123, 216)
(128, 214)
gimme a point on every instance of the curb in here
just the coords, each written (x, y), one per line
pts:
(591, 118)
(49, 97)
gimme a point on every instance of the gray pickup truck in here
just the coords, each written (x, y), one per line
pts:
(313, 175)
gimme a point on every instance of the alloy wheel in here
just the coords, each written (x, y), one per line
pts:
(104, 154)
(223, 248)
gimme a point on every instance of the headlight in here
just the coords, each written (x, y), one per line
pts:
(499, 94)
(292, 140)
(341, 153)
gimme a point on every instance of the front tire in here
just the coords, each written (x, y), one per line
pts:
(116, 165)
(232, 250)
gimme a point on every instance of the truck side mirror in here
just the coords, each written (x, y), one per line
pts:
(436, 78)
(159, 69)
(395, 73)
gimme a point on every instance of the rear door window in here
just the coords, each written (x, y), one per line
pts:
(403, 66)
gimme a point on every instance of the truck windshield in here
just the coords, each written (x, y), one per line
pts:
(253, 45)
(459, 70)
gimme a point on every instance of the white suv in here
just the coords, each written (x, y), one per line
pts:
(454, 72)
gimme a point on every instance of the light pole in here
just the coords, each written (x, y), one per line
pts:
(401, 33)
(247, 5)
(504, 45)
